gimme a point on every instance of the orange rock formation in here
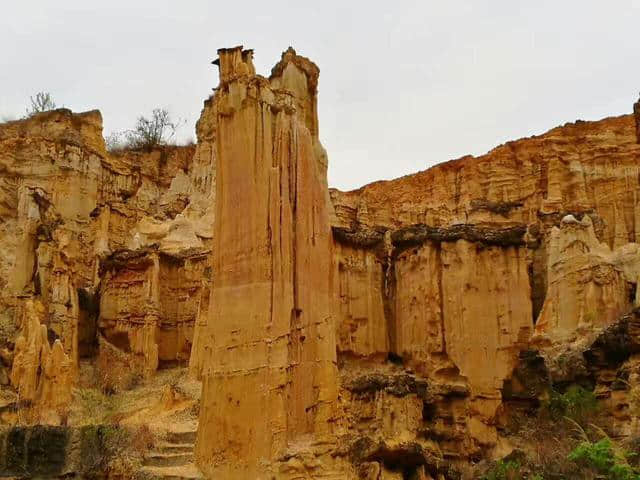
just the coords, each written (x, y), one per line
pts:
(379, 333)
(438, 281)
(112, 246)
(270, 374)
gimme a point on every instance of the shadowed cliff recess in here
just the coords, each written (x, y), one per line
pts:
(217, 311)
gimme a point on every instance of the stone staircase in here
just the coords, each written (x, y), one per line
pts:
(172, 459)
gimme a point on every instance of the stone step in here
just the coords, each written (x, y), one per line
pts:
(156, 459)
(182, 436)
(184, 472)
(166, 447)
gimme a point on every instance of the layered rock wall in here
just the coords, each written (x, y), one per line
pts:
(438, 281)
(71, 212)
(385, 332)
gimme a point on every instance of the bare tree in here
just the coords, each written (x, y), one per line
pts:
(154, 131)
(42, 102)
(115, 141)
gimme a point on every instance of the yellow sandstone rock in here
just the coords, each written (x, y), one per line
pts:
(385, 332)
(270, 374)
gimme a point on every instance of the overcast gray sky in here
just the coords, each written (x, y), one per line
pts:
(403, 84)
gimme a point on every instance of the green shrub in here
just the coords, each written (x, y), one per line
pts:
(509, 470)
(604, 459)
(577, 403)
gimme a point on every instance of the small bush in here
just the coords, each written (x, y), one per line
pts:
(148, 132)
(603, 458)
(509, 470)
(115, 141)
(114, 450)
(577, 403)
(123, 460)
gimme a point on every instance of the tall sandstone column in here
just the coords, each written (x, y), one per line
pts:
(270, 375)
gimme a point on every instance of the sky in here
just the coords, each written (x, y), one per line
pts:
(403, 84)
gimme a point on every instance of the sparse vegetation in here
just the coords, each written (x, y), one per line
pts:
(116, 450)
(97, 408)
(149, 132)
(510, 470)
(587, 460)
(504, 470)
(552, 434)
(604, 458)
(577, 404)
(562, 442)
(41, 102)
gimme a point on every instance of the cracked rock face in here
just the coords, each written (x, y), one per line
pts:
(93, 239)
(438, 277)
(270, 330)
(377, 333)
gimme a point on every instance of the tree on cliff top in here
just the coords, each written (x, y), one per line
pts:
(148, 132)
(159, 129)
(42, 102)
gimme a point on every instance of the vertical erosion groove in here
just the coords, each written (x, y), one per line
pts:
(388, 292)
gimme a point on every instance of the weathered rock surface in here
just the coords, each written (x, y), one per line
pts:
(76, 221)
(466, 260)
(589, 284)
(42, 374)
(440, 275)
(378, 333)
(270, 374)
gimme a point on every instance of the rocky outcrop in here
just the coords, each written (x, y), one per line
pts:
(270, 374)
(149, 302)
(51, 174)
(42, 375)
(440, 277)
(387, 332)
(76, 220)
(465, 261)
(589, 285)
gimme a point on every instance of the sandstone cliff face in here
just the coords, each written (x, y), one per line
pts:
(439, 280)
(471, 256)
(75, 220)
(385, 332)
